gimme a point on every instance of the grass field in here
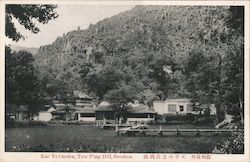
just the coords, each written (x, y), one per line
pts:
(77, 138)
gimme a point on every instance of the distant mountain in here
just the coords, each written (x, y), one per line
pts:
(16, 48)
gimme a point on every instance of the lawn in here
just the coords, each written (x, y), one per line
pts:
(82, 138)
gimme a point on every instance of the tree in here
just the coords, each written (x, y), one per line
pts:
(234, 83)
(21, 80)
(120, 97)
(215, 66)
(102, 79)
(25, 14)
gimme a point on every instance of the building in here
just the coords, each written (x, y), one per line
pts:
(64, 112)
(173, 106)
(139, 114)
(45, 114)
(134, 114)
(85, 115)
(85, 107)
(83, 100)
(105, 112)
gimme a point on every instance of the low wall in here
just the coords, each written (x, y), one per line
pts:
(139, 119)
(86, 118)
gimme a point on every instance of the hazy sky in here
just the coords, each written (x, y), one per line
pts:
(70, 17)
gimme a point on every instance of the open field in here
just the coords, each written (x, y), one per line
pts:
(77, 138)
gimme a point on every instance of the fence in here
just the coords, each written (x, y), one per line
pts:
(177, 131)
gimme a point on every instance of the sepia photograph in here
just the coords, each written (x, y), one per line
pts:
(106, 81)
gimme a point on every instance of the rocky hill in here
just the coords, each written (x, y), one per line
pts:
(148, 50)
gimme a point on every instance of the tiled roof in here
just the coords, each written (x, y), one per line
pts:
(59, 112)
(58, 106)
(85, 110)
(178, 99)
(139, 110)
(64, 106)
(104, 108)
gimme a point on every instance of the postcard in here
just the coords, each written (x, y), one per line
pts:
(124, 81)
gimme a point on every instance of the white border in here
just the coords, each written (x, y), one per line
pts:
(27, 157)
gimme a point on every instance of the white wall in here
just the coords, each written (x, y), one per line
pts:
(161, 107)
(178, 104)
(86, 119)
(44, 116)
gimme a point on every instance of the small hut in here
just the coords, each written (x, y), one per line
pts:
(45, 114)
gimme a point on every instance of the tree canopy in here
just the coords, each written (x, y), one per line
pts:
(25, 15)
(21, 80)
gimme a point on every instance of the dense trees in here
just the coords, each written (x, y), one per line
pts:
(25, 14)
(214, 75)
(21, 81)
(234, 63)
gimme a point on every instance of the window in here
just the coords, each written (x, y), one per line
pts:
(87, 115)
(181, 108)
(171, 107)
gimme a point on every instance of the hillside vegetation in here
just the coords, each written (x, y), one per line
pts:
(152, 52)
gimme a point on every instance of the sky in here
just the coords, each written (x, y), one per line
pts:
(70, 17)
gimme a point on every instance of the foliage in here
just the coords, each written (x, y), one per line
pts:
(212, 75)
(25, 124)
(204, 121)
(180, 117)
(21, 79)
(25, 14)
(22, 82)
(234, 145)
(121, 97)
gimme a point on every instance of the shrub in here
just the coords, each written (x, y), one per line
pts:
(25, 123)
(204, 121)
(234, 145)
(180, 117)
